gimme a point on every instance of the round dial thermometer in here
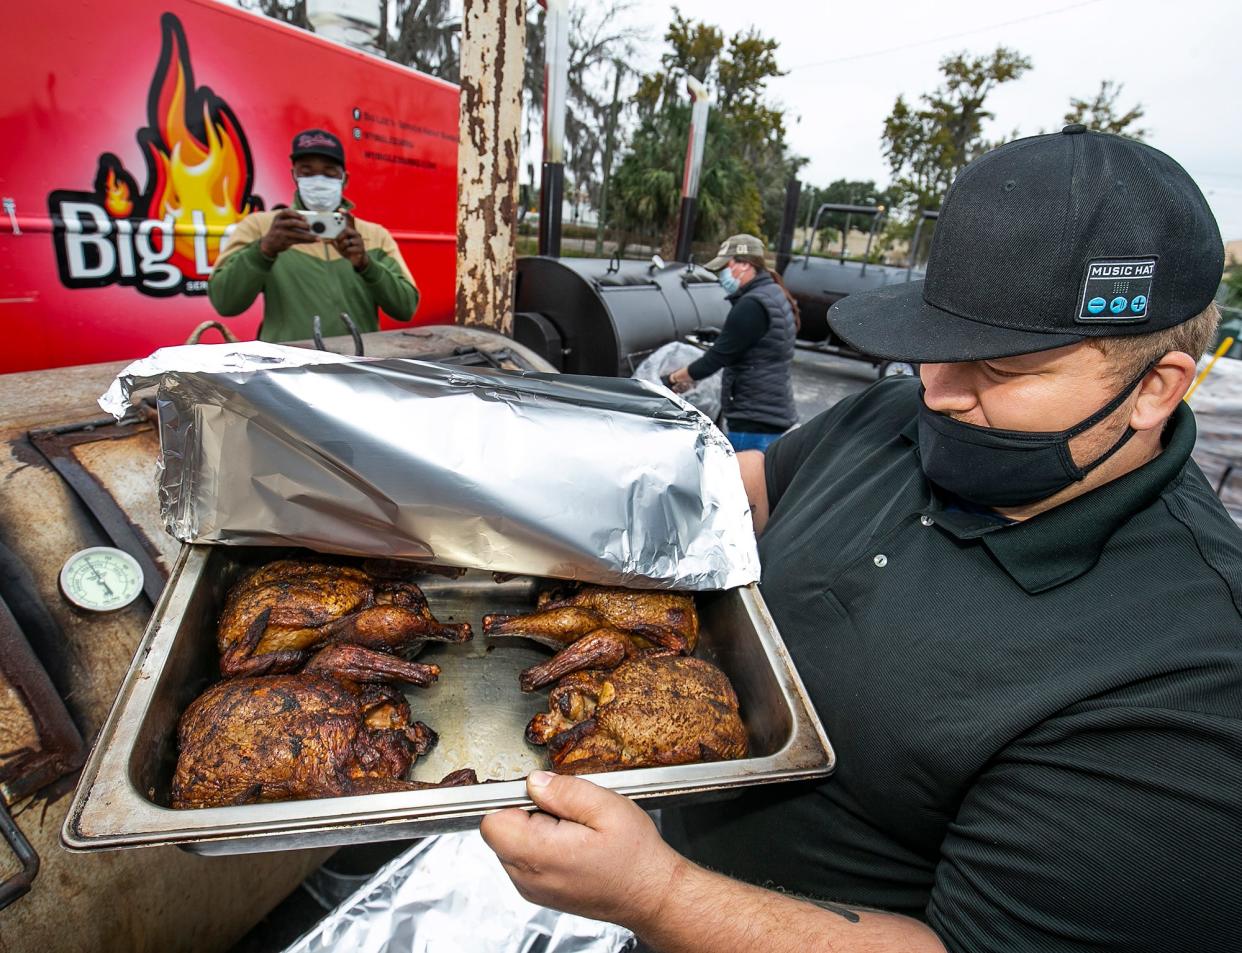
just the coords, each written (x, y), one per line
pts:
(101, 579)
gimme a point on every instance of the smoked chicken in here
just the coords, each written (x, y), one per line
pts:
(335, 728)
(596, 627)
(276, 616)
(651, 711)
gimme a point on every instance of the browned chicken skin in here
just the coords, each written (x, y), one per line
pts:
(650, 711)
(331, 730)
(277, 615)
(599, 626)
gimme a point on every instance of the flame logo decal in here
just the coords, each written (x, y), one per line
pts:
(118, 197)
(197, 154)
(166, 238)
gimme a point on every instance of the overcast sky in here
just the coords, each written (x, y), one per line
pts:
(1179, 58)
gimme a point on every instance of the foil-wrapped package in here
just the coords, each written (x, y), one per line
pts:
(596, 479)
(449, 894)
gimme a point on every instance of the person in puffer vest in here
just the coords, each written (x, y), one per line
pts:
(755, 349)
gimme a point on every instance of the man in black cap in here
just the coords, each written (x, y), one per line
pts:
(348, 266)
(1013, 598)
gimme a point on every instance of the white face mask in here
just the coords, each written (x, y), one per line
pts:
(320, 193)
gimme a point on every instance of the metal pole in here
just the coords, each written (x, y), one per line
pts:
(610, 139)
(814, 228)
(875, 222)
(810, 235)
(555, 90)
(789, 220)
(694, 165)
(493, 47)
(924, 215)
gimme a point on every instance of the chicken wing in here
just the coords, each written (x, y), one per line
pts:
(598, 627)
(275, 617)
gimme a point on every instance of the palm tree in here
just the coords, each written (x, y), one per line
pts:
(427, 37)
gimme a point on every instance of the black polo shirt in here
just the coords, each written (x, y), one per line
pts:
(1038, 725)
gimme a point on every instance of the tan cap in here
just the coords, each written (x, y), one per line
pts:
(736, 245)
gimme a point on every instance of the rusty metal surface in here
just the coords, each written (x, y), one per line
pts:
(17, 725)
(161, 899)
(126, 470)
(493, 46)
(476, 708)
(58, 446)
(57, 747)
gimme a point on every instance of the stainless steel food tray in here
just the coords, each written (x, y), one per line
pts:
(476, 708)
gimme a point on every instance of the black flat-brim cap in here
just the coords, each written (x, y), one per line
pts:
(895, 323)
(1044, 242)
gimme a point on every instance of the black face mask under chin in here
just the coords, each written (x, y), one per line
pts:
(994, 467)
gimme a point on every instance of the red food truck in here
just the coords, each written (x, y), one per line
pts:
(137, 135)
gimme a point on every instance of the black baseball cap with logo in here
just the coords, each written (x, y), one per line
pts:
(1043, 242)
(317, 142)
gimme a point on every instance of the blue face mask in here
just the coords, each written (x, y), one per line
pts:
(728, 282)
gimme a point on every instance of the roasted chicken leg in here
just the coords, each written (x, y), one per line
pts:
(275, 617)
(650, 711)
(335, 728)
(599, 626)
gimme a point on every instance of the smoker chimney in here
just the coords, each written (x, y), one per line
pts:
(694, 166)
(555, 89)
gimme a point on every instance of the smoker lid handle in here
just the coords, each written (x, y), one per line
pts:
(197, 334)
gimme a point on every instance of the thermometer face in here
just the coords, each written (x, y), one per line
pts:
(101, 579)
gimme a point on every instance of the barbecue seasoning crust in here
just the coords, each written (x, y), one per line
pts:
(317, 733)
(651, 711)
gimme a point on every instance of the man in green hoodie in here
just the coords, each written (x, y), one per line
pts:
(300, 275)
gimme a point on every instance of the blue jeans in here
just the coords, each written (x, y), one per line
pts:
(742, 440)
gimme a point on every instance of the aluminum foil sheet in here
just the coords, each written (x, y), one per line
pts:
(449, 894)
(597, 479)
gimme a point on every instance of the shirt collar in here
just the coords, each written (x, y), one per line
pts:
(1064, 542)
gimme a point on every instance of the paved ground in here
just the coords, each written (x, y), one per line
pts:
(820, 380)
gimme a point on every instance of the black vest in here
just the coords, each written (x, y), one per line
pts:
(759, 386)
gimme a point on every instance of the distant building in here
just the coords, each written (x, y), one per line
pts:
(1233, 253)
(350, 22)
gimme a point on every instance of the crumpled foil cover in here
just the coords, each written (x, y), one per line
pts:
(449, 894)
(603, 480)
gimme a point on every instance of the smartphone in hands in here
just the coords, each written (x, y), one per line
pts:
(325, 225)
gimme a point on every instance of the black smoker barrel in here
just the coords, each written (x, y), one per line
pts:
(819, 283)
(602, 317)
